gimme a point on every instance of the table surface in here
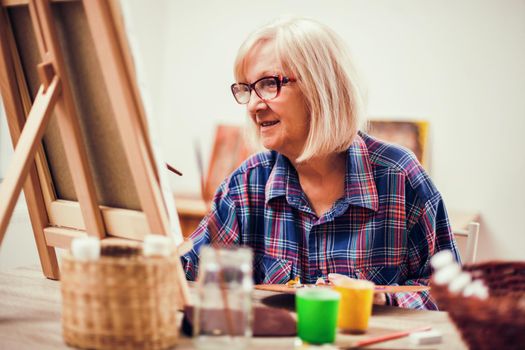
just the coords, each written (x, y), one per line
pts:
(30, 319)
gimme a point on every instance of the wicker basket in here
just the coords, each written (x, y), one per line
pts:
(122, 301)
(497, 322)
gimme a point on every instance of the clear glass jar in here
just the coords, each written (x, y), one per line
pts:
(223, 307)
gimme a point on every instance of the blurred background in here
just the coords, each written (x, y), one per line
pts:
(458, 65)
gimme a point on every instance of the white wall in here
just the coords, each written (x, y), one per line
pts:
(18, 246)
(458, 64)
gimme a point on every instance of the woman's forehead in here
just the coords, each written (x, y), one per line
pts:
(262, 60)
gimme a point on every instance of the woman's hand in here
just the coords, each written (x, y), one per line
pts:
(336, 278)
(380, 299)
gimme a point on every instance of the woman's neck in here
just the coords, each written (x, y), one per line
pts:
(323, 181)
(317, 169)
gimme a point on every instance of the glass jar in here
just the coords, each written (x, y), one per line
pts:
(223, 307)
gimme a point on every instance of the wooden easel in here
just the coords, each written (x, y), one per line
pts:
(56, 221)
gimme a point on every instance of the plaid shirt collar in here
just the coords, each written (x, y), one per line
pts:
(360, 185)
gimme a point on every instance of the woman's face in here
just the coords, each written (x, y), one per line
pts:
(283, 122)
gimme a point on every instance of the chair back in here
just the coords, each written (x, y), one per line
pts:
(468, 242)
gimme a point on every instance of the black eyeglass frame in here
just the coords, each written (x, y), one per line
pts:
(280, 81)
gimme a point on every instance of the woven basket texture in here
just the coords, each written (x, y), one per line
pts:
(497, 322)
(122, 301)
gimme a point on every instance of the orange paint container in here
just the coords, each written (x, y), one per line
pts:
(355, 307)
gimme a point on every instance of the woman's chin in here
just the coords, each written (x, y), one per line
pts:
(278, 147)
(269, 143)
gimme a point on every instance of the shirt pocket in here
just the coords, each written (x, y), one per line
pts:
(383, 275)
(270, 270)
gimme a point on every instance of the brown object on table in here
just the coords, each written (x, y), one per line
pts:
(267, 321)
(497, 322)
(123, 300)
(273, 322)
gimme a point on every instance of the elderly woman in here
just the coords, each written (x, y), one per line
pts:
(326, 198)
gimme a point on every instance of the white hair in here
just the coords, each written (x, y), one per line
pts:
(317, 57)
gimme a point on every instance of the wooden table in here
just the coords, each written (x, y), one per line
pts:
(30, 318)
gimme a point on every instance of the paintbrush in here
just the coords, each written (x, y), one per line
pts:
(386, 337)
(173, 170)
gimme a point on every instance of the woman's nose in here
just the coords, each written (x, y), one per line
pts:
(255, 104)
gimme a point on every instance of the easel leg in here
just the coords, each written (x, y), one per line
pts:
(39, 220)
(25, 151)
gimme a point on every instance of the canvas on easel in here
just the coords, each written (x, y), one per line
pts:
(82, 148)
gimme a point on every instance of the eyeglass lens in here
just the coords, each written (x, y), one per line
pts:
(266, 88)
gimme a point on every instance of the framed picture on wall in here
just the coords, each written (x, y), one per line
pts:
(411, 134)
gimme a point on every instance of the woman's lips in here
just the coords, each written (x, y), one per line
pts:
(268, 124)
(267, 127)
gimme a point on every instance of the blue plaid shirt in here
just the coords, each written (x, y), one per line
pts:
(385, 228)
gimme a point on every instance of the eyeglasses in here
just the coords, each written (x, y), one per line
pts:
(267, 88)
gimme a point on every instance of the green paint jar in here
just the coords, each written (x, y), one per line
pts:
(317, 310)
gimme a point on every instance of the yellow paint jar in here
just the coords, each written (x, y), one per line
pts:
(355, 307)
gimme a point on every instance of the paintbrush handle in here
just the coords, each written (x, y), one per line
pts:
(172, 169)
(395, 335)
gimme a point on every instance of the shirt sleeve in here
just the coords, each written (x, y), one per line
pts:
(220, 226)
(430, 234)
